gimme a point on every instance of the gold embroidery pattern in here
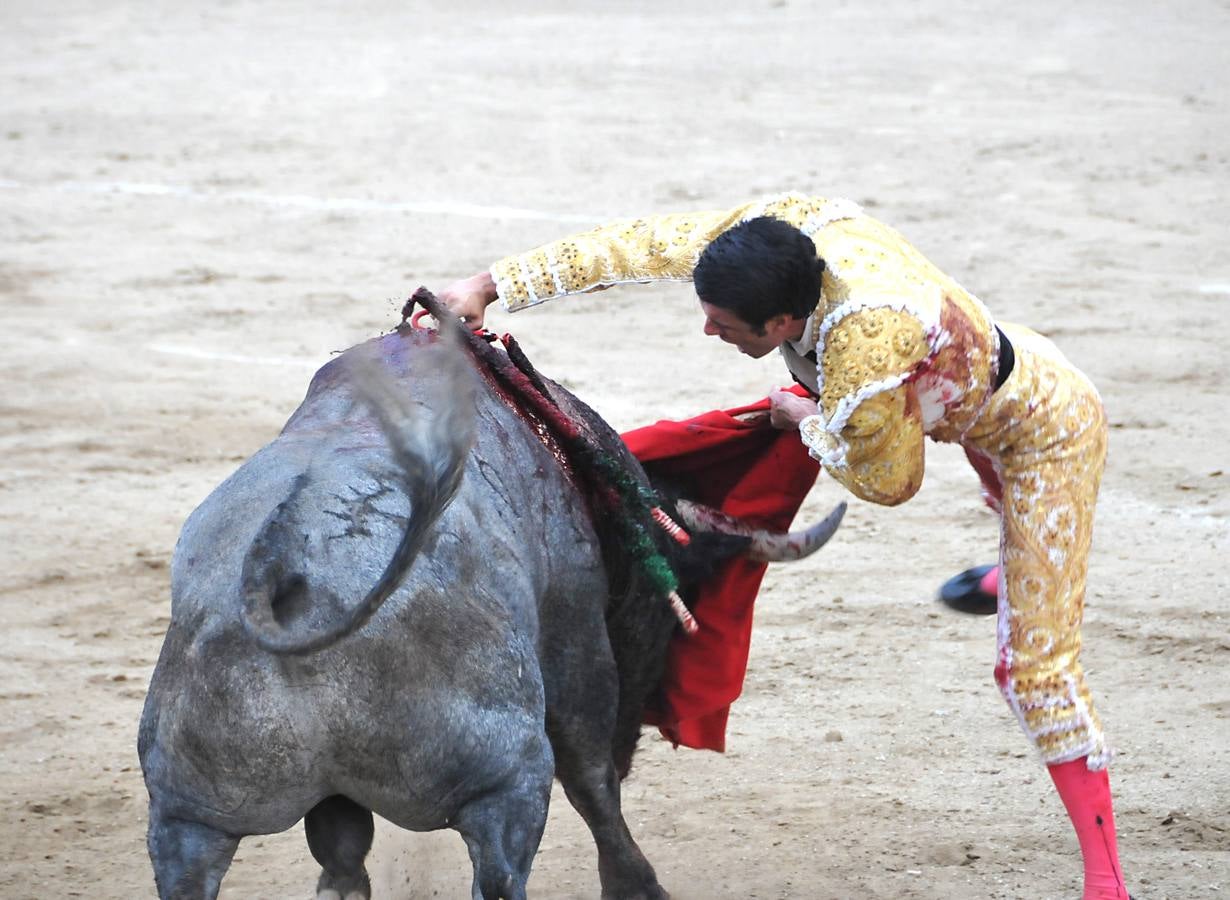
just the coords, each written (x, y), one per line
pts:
(872, 259)
(867, 346)
(541, 282)
(884, 456)
(1045, 429)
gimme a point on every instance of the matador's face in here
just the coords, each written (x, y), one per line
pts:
(724, 324)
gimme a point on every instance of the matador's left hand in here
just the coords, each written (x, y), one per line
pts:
(787, 409)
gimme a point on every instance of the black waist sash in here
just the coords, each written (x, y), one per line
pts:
(1007, 358)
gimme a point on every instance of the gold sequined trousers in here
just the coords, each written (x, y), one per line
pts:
(1040, 446)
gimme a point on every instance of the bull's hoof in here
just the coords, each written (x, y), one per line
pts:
(344, 887)
(331, 894)
(652, 892)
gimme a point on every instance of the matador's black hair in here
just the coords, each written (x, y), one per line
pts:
(759, 269)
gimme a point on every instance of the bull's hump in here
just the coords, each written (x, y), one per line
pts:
(330, 396)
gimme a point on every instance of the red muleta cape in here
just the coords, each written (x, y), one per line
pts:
(735, 461)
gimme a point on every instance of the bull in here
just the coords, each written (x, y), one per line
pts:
(402, 606)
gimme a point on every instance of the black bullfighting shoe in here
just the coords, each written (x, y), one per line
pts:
(970, 592)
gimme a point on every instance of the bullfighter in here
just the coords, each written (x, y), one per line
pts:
(891, 350)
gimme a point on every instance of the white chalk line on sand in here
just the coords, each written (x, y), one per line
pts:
(301, 201)
(214, 356)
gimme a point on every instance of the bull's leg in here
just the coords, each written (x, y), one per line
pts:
(592, 786)
(502, 829)
(189, 858)
(582, 724)
(339, 834)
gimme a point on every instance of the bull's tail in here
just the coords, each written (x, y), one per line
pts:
(430, 442)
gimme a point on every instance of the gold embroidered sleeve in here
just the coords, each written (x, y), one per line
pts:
(878, 454)
(654, 248)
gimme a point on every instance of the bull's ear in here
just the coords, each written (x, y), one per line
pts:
(708, 549)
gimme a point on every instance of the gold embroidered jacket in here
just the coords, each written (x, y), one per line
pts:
(902, 350)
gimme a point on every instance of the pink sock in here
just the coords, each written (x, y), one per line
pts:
(1086, 796)
(990, 582)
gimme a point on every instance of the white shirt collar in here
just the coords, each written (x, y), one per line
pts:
(811, 334)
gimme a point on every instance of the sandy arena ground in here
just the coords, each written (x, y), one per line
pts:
(200, 202)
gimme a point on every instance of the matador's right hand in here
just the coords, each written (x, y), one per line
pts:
(469, 298)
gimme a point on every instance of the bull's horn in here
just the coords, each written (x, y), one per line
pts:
(766, 546)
